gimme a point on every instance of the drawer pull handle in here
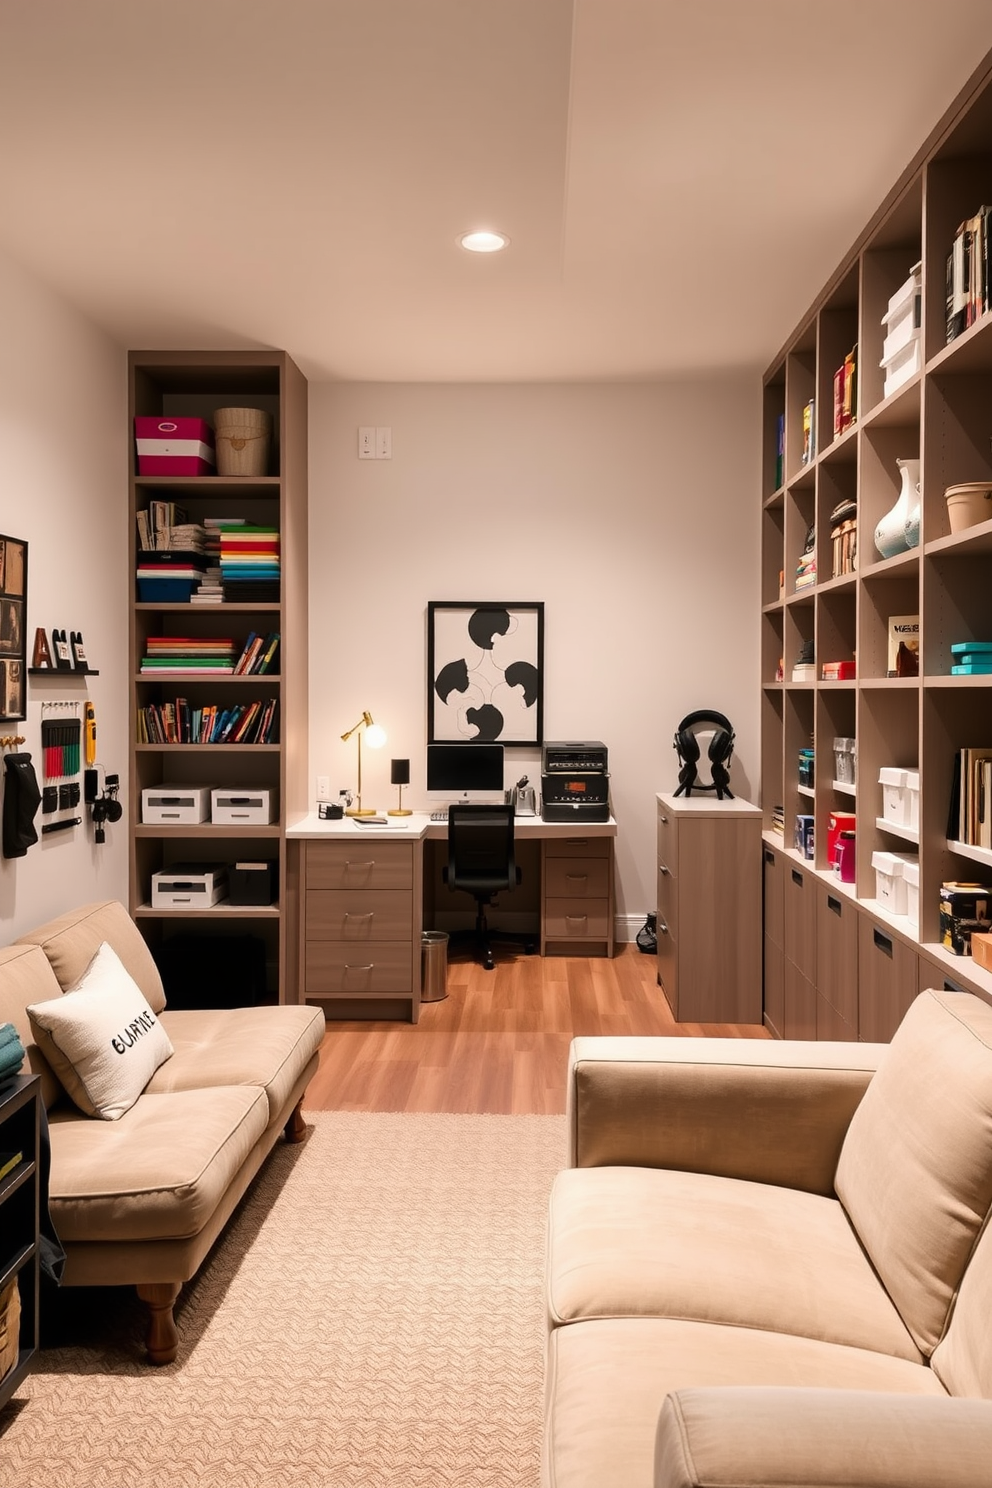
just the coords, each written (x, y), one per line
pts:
(662, 926)
(883, 942)
(576, 878)
(578, 841)
(797, 878)
(364, 867)
(576, 919)
(769, 855)
(664, 870)
(663, 819)
(369, 966)
(370, 916)
(833, 904)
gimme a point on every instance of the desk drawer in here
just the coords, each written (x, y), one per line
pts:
(578, 847)
(338, 914)
(576, 919)
(577, 878)
(372, 966)
(359, 865)
(668, 840)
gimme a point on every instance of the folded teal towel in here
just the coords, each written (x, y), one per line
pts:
(11, 1051)
(8, 1034)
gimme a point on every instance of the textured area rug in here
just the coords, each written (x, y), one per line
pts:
(372, 1316)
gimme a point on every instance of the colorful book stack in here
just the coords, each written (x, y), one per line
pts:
(249, 562)
(968, 273)
(809, 432)
(846, 392)
(779, 450)
(186, 656)
(166, 576)
(258, 655)
(971, 659)
(178, 723)
(844, 538)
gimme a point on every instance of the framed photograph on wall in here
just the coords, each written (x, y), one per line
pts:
(13, 627)
(485, 672)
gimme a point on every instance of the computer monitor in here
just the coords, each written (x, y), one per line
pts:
(465, 772)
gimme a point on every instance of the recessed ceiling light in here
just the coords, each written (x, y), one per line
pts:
(484, 242)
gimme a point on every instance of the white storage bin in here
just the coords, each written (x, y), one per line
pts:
(189, 886)
(242, 807)
(175, 805)
(913, 799)
(902, 322)
(906, 293)
(911, 878)
(890, 885)
(903, 365)
(895, 797)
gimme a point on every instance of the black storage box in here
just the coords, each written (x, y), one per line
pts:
(251, 883)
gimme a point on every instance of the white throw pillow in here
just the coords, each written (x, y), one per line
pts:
(101, 1038)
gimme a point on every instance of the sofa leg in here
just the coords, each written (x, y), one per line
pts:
(296, 1129)
(163, 1336)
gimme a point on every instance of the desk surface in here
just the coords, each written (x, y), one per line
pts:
(418, 826)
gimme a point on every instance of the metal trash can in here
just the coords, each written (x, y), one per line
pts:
(434, 965)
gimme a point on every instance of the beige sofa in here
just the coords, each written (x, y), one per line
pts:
(141, 1200)
(771, 1263)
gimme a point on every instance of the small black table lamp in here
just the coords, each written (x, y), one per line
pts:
(399, 775)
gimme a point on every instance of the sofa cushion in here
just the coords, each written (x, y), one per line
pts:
(71, 941)
(915, 1170)
(650, 1242)
(606, 1383)
(157, 1174)
(27, 977)
(267, 1046)
(101, 1038)
(963, 1358)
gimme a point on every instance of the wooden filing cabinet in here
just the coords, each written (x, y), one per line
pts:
(709, 909)
(361, 928)
(577, 892)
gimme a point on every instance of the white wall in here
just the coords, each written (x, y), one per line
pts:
(630, 510)
(63, 488)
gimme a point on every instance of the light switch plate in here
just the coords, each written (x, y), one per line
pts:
(366, 442)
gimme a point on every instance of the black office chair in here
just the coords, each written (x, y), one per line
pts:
(481, 861)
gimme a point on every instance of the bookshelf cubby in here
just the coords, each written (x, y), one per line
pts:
(942, 416)
(195, 383)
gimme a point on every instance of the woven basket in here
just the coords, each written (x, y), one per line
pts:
(242, 437)
(10, 1327)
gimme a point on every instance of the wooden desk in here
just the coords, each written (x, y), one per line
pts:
(366, 894)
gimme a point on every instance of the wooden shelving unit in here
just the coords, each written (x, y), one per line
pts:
(195, 384)
(941, 416)
(20, 1118)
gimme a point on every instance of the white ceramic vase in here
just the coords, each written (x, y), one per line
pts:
(899, 529)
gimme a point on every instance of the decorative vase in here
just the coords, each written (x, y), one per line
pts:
(899, 529)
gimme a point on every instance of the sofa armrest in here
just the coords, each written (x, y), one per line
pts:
(744, 1435)
(774, 1111)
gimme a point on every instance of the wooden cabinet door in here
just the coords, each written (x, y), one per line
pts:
(888, 972)
(774, 870)
(774, 974)
(837, 953)
(800, 1004)
(800, 919)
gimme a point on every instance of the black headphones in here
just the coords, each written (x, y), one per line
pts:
(720, 753)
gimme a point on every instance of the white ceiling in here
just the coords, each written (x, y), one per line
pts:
(678, 177)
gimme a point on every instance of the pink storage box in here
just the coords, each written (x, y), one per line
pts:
(176, 446)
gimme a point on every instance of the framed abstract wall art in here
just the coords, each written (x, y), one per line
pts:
(13, 623)
(485, 672)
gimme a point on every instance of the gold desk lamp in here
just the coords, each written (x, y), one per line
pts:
(375, 737)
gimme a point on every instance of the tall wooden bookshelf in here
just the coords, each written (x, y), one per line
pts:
(836, 964)
(196, 383)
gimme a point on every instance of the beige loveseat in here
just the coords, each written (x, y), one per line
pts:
(771, 1263)
(140, 1200)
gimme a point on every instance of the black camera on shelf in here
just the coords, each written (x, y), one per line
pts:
(106, 807)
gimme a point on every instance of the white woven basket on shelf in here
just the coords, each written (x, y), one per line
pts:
(242, 437)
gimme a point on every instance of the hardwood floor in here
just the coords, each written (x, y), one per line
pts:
(498, 1043)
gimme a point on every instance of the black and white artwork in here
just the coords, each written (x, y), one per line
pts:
(485, 672)
(13, 609)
